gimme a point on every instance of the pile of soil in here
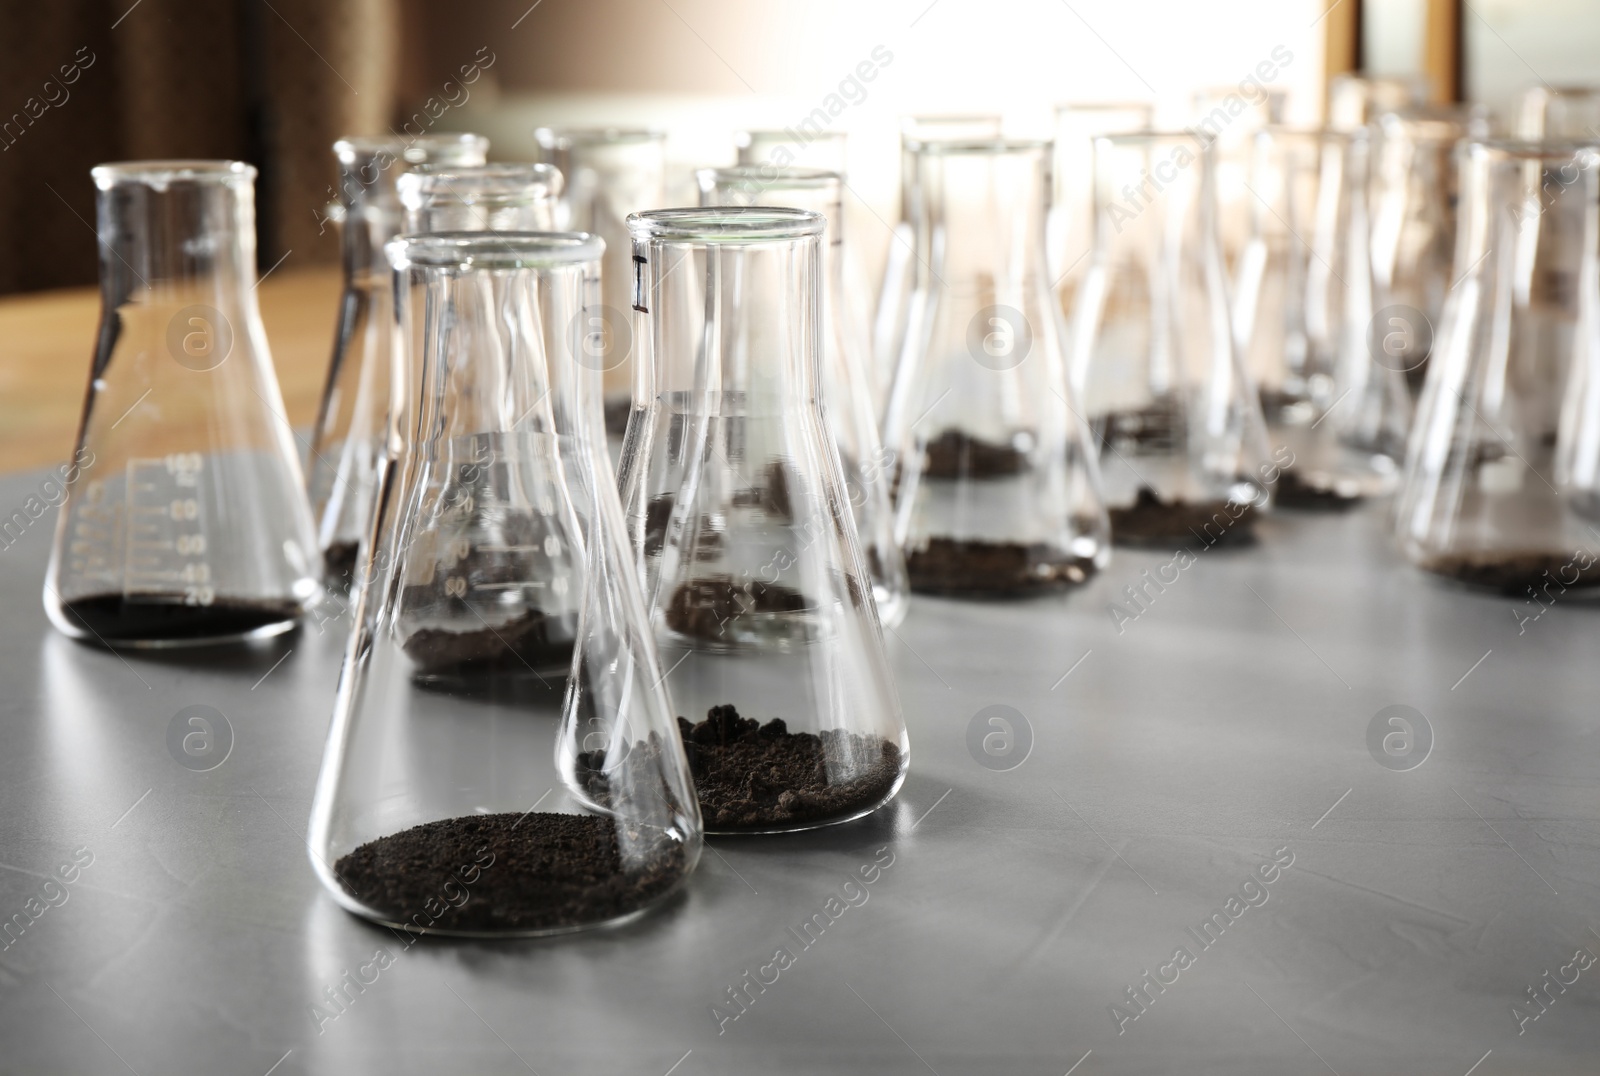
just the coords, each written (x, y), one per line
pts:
(512, 647)
(1150, 521)
(548, 871)
(339, 563)
(772, 496)
(968, 569)
(1155, 428)
(702, 608)
(658, 514)
(1513, 572)
(1295, 491)
(754, 776)
(114, 619)
(954, 454)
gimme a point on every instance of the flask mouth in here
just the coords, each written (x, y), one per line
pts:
(1552, 152)
(418, 150)
(159, 175)
(752, 135)
(470, 185)
(494, 250)
(768, 177)
(995, 147)
(725, 224)
(565, 137)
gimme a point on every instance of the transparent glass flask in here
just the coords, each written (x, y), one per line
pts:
(1356, 100)
(867, 468)
(487, 198)
(1559, 112)
(1072, 204)
(347, 441)
(907, 257)
(1291, 293)
(459, 793)
(758, 590)
(997, 495)
(1414, 210)
(610, 172)
(185, 520)
(1183, 446)
(1479, 504)
(823, 151)
(1227, 119)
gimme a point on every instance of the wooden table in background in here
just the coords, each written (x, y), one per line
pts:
(47, 341)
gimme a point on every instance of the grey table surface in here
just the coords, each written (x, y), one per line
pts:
(1170, 759)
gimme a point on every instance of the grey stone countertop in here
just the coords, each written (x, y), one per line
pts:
(1211, 757)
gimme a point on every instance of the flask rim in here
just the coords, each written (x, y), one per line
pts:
(469, 184)
(565, 137)
(494, 250)
(996, 147)
(1532, 149)
(411, 150)
(162, 174)
(725, 224)
(770, 176)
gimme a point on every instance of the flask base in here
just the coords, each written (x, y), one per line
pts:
(116, 621)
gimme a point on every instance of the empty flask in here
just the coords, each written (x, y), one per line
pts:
(1184, 453)
(1480, 502)
(186, 519)
(845, 394)
(757, 586)
(460, 793)
(347, 441)
(610, 172)
(998, 495)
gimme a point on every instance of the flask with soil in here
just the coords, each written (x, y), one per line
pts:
(185, 518)
(1291, 293)
(1183, 444)
(1502, 424)
(997, 490)
(446, 804)
(846, 392)
(609, 173)
(759, 593)
(349, 437)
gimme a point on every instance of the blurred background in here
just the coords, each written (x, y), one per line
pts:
(274, 82)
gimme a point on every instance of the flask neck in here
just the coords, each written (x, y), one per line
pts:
(183, 238)
(985, 216)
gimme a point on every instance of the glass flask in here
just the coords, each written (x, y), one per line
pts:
(1414, 202)
(459, 793)
(186, 519)
(998, 495)
(486, 198)
(1560, 112)
(755, 579)
(1291, 292)
(1183, 446)
(1479, 504)
(610, 172)
(347, 441)
(1228, 119)
(907, 257)
(851, 415)
(1072, 204)
(789, 148)
(1356, 100)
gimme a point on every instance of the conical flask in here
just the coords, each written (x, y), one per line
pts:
(1184, 451)
(1291, 295)
(758, 590)
(908, 253)
(501, 197)
(186, 520)
(998, 495)
(610, 172)
(1480, 504)
(1560, 112)
(1072, 205)
(845, 395)
(441, 806)
(1227, 118)
(347, 440)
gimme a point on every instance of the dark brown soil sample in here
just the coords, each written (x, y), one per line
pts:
(657, 516)
(1274, 402)
(1513, 572)
(754, 776)
(339, 563)
(1156, 428)
(1295, 491)
(617, 414)
(967, 569)
(1150, 521)
(115, 619)
(772, 496)
(954, 454)
(702, 608)
(533, 872)
(516, 646)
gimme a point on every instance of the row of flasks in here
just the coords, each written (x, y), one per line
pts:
(562, 673)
